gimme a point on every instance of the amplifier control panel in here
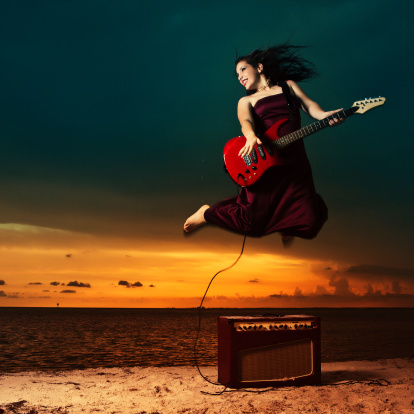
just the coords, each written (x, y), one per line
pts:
(274, 326)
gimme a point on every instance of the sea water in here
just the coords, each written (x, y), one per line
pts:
(78, 338)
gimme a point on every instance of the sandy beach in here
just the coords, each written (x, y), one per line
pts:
(384, 386)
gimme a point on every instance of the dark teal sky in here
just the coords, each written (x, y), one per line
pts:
(114, 116)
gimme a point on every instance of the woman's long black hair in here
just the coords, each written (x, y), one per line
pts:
(281, 63)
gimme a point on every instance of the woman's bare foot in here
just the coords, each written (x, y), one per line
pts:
(196, 220)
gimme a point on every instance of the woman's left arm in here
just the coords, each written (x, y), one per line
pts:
(311, 107)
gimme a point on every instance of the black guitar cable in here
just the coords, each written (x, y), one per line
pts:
(201, 305)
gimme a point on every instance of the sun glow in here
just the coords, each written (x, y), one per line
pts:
(43, 267)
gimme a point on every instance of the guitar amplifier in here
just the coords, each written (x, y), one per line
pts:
(269, 351)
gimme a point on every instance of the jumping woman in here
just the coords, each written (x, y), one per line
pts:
(284, 199)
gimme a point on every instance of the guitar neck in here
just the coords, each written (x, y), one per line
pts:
(288, 139)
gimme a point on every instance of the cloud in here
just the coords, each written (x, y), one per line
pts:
(320, 291)
(371, 292)
(55, 283)
(151, 285)
(127, 284)
(396, 288)
(79, 284)
(2, 282)
(67, 291)
(69, 255)
(278, 295)
(254, 281)
(2, 294)
(341, 286)
(35, 283)
(298, 292)
(378, 272)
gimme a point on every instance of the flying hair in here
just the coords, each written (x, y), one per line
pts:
(281, 63)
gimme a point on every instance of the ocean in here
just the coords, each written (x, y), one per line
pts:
(79, 338)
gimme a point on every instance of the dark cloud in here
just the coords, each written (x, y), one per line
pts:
(151, 285)
(79, 284)
(67, 291)
(14, 296)
(2, 282)
(371, 292)
(298, 292)
(320, 291)
(127, 284)
(55, 283)
(69, 255)
(278, 295)
(379, 272)
(35, 283)
(45, 290)
(254, 281)
(2, 294)
(341, 286)
(396, 288)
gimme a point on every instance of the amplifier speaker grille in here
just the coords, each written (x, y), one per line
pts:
(276, 362)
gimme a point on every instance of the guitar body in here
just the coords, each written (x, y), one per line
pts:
(247, 170)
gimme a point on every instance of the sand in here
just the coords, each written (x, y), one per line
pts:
(384, 386)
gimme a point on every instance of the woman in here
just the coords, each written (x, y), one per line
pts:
(284, 198)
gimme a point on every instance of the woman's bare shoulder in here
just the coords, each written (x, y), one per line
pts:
(245, 101)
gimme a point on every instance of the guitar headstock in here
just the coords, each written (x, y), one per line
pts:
(367, 104)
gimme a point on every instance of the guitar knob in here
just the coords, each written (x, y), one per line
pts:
(254, 168)
(246, 171)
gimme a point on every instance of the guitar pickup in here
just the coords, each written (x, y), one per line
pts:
(253, 154)
(248, 160)
(269, 149)
(261, 151)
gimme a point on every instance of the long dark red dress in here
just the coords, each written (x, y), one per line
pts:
(284, 198)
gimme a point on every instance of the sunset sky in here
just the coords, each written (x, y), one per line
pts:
(113, 119)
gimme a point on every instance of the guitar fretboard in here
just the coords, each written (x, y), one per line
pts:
(288, 139)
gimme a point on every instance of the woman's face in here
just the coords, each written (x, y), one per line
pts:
(248, 75)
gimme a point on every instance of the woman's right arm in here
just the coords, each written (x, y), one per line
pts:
(244, 113)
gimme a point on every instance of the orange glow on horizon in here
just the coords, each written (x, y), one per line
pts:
(39, 270)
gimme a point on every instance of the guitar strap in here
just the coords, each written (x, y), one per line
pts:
(286, 90)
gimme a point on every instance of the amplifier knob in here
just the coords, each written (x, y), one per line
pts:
(270, 326)
(296, 326)
(285, 326)
(281, 326)
(260, 326)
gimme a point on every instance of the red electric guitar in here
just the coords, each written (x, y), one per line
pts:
(247, 170)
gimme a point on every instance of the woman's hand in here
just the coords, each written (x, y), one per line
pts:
(336, 119)
(248, 147)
